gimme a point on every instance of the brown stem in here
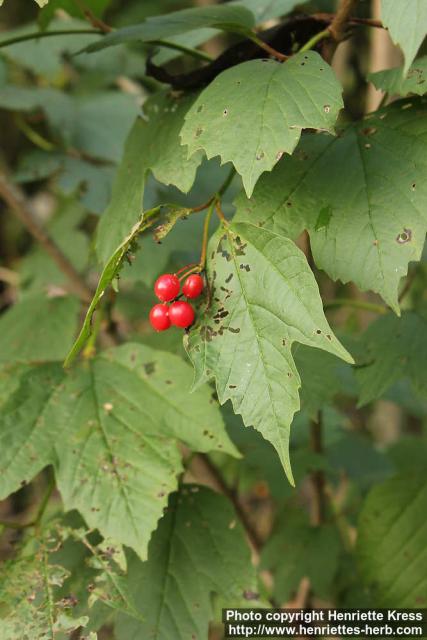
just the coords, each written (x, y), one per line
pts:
(338, 27)
(18, 204)
(220, 213)
(317, 477)
(268, 48)
(210, 470)
(342, 16)
(91, 18)
(368, 22)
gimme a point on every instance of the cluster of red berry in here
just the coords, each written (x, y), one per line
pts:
(180, 313)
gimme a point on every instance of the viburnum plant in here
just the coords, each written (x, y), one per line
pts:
(213, 329)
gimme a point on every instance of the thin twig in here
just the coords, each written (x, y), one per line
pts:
(217, 480)
(18, 204)
(368, 22)
(342, 16)
(338, 27)
(267, 48)
(91, 18)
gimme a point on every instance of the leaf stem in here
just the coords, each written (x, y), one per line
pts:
(211, 471)
(32, 135)
(315, 39)
(194, 53)
(273, 52)
(205, 239)
(90, 348)
(356, 304)
(38, 35)
(220, 212)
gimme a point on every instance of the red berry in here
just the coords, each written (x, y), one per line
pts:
(159, 317)
(167, 287)
(181, 314)
(193, 286)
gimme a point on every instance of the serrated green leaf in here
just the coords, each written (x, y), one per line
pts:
(254, 112)
(394, 82)
(263, 298)
(109, 583)
(110, 428)
(297, 550)
(377, 197)
(226, 18)
(153, 144)
(198, 549)
(394, 348)
(38, 328)
(406, 21)
(163, 153)
(108, 277)
(391, 541)
(29, 582)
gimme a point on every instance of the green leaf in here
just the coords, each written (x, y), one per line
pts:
(297, 550)
(394, 82)
(226, 18)
(394, 348)
(153, 144)
(263, 298)
(376, 202)
(110, 428)
(108, 275)
(359, 459)
(254, 112)
(106, 568)
(391, 541)
(320, 378)
(264, 10)
(96, 125)
(171, 217)
(198, 549)
(45, 57)
(29, 584)
(38, 328)
(406, 21)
